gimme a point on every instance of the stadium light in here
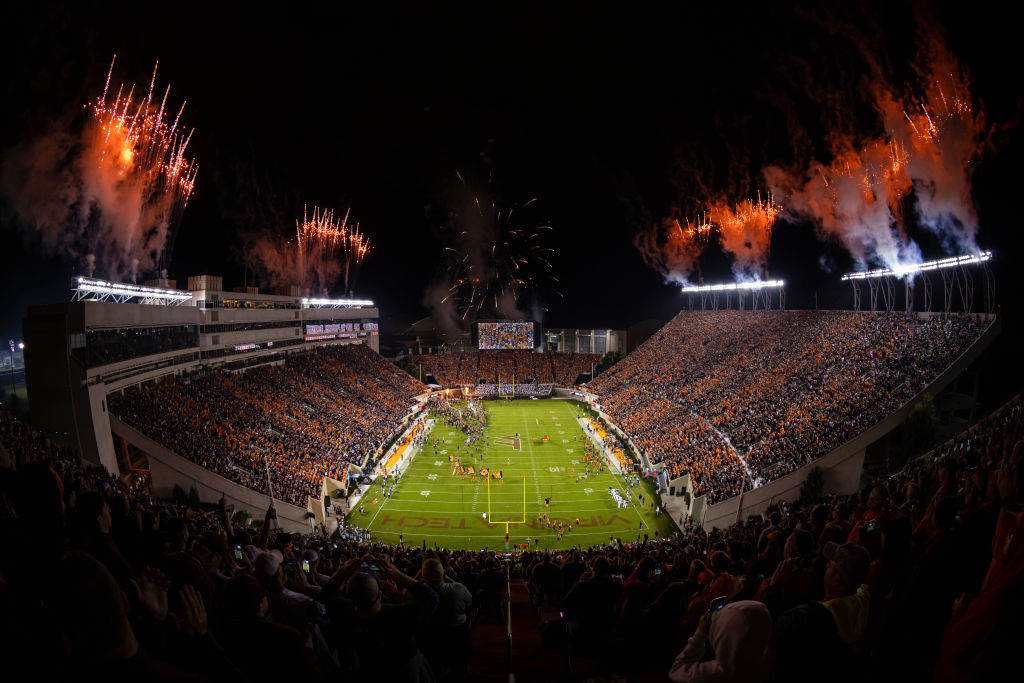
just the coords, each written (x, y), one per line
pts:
(336, 303)
(122, 292)
(900, 271)
(734, 286)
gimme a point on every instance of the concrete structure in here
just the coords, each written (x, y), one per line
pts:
(563, 340)
(79, 352)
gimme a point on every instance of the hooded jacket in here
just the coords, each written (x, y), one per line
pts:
(739, 636)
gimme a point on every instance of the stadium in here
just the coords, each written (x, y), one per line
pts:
(764, 425)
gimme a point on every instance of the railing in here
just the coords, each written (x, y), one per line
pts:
(508, 621)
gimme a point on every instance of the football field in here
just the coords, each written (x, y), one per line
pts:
(430, 503)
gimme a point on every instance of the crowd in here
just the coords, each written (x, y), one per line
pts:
(450, 369)
(469, 417)
(918, 577)
(774, 389)
(302, 420)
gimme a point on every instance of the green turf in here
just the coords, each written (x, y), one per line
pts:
(430, 504)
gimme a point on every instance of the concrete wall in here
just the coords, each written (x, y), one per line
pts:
(167, 469)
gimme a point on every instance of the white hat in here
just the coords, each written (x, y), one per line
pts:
(267, 563)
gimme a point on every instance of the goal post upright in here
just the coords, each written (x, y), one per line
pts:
(505, 522)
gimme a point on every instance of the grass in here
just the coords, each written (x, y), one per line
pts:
(430, 504)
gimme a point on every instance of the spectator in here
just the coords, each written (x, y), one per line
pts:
(378, 639)
(249, 637)
(446, 640)
(806, 647)
(738, 635)
(590, 608)
(846, 595)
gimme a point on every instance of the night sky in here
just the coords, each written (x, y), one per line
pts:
(609, 120)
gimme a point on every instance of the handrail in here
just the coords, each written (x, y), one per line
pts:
(508, 620)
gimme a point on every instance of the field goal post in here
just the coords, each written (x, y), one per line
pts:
(506, 522)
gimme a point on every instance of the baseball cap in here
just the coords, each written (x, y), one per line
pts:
(251, 552)
(852, 560)
(267, 563)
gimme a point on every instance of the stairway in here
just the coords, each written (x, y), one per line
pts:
(531, 661)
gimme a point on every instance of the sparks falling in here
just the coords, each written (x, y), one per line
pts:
(107, 192)
(496, 259)
(924, 157)
(328, 249)
(745, 231)
(673, 246)
(135, 157)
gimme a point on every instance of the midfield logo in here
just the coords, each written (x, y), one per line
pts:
(512, 441)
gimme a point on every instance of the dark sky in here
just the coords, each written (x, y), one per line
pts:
(608, 119)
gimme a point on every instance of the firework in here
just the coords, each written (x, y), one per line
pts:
(925, 157)
(328, 249)
(108, 192)
(496, 259)
(136, 160)
(674, 246)
(745, 231)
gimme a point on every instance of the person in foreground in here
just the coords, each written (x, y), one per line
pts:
(739, 636)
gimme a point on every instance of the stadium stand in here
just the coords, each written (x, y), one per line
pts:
(718, 393)
(304, 419)
(917, 577)
(469, 368)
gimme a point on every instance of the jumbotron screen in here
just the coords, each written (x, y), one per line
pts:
(505, 335)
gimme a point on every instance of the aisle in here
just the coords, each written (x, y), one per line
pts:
(531, 661)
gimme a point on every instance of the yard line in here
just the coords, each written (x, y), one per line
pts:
(606, 508)
(533, 463)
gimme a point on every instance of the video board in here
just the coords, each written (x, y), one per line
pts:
(507, 334)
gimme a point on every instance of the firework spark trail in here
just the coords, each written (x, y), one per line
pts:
(136, 177)
(673, 247)
(107, 191)
(944, 133)
(926, 155)
(745, 231)
(495, 259)
(856, 199)
(326, 250)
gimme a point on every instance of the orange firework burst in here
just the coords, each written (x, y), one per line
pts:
(140, 157)
(328, 249)
(745, 231)
(947, 106)
(673, 246)
(696, 231)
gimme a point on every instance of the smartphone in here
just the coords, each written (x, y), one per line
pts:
(657, 572)
(717, 604)
(238, 552)
(871, 526)
(305, 565)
